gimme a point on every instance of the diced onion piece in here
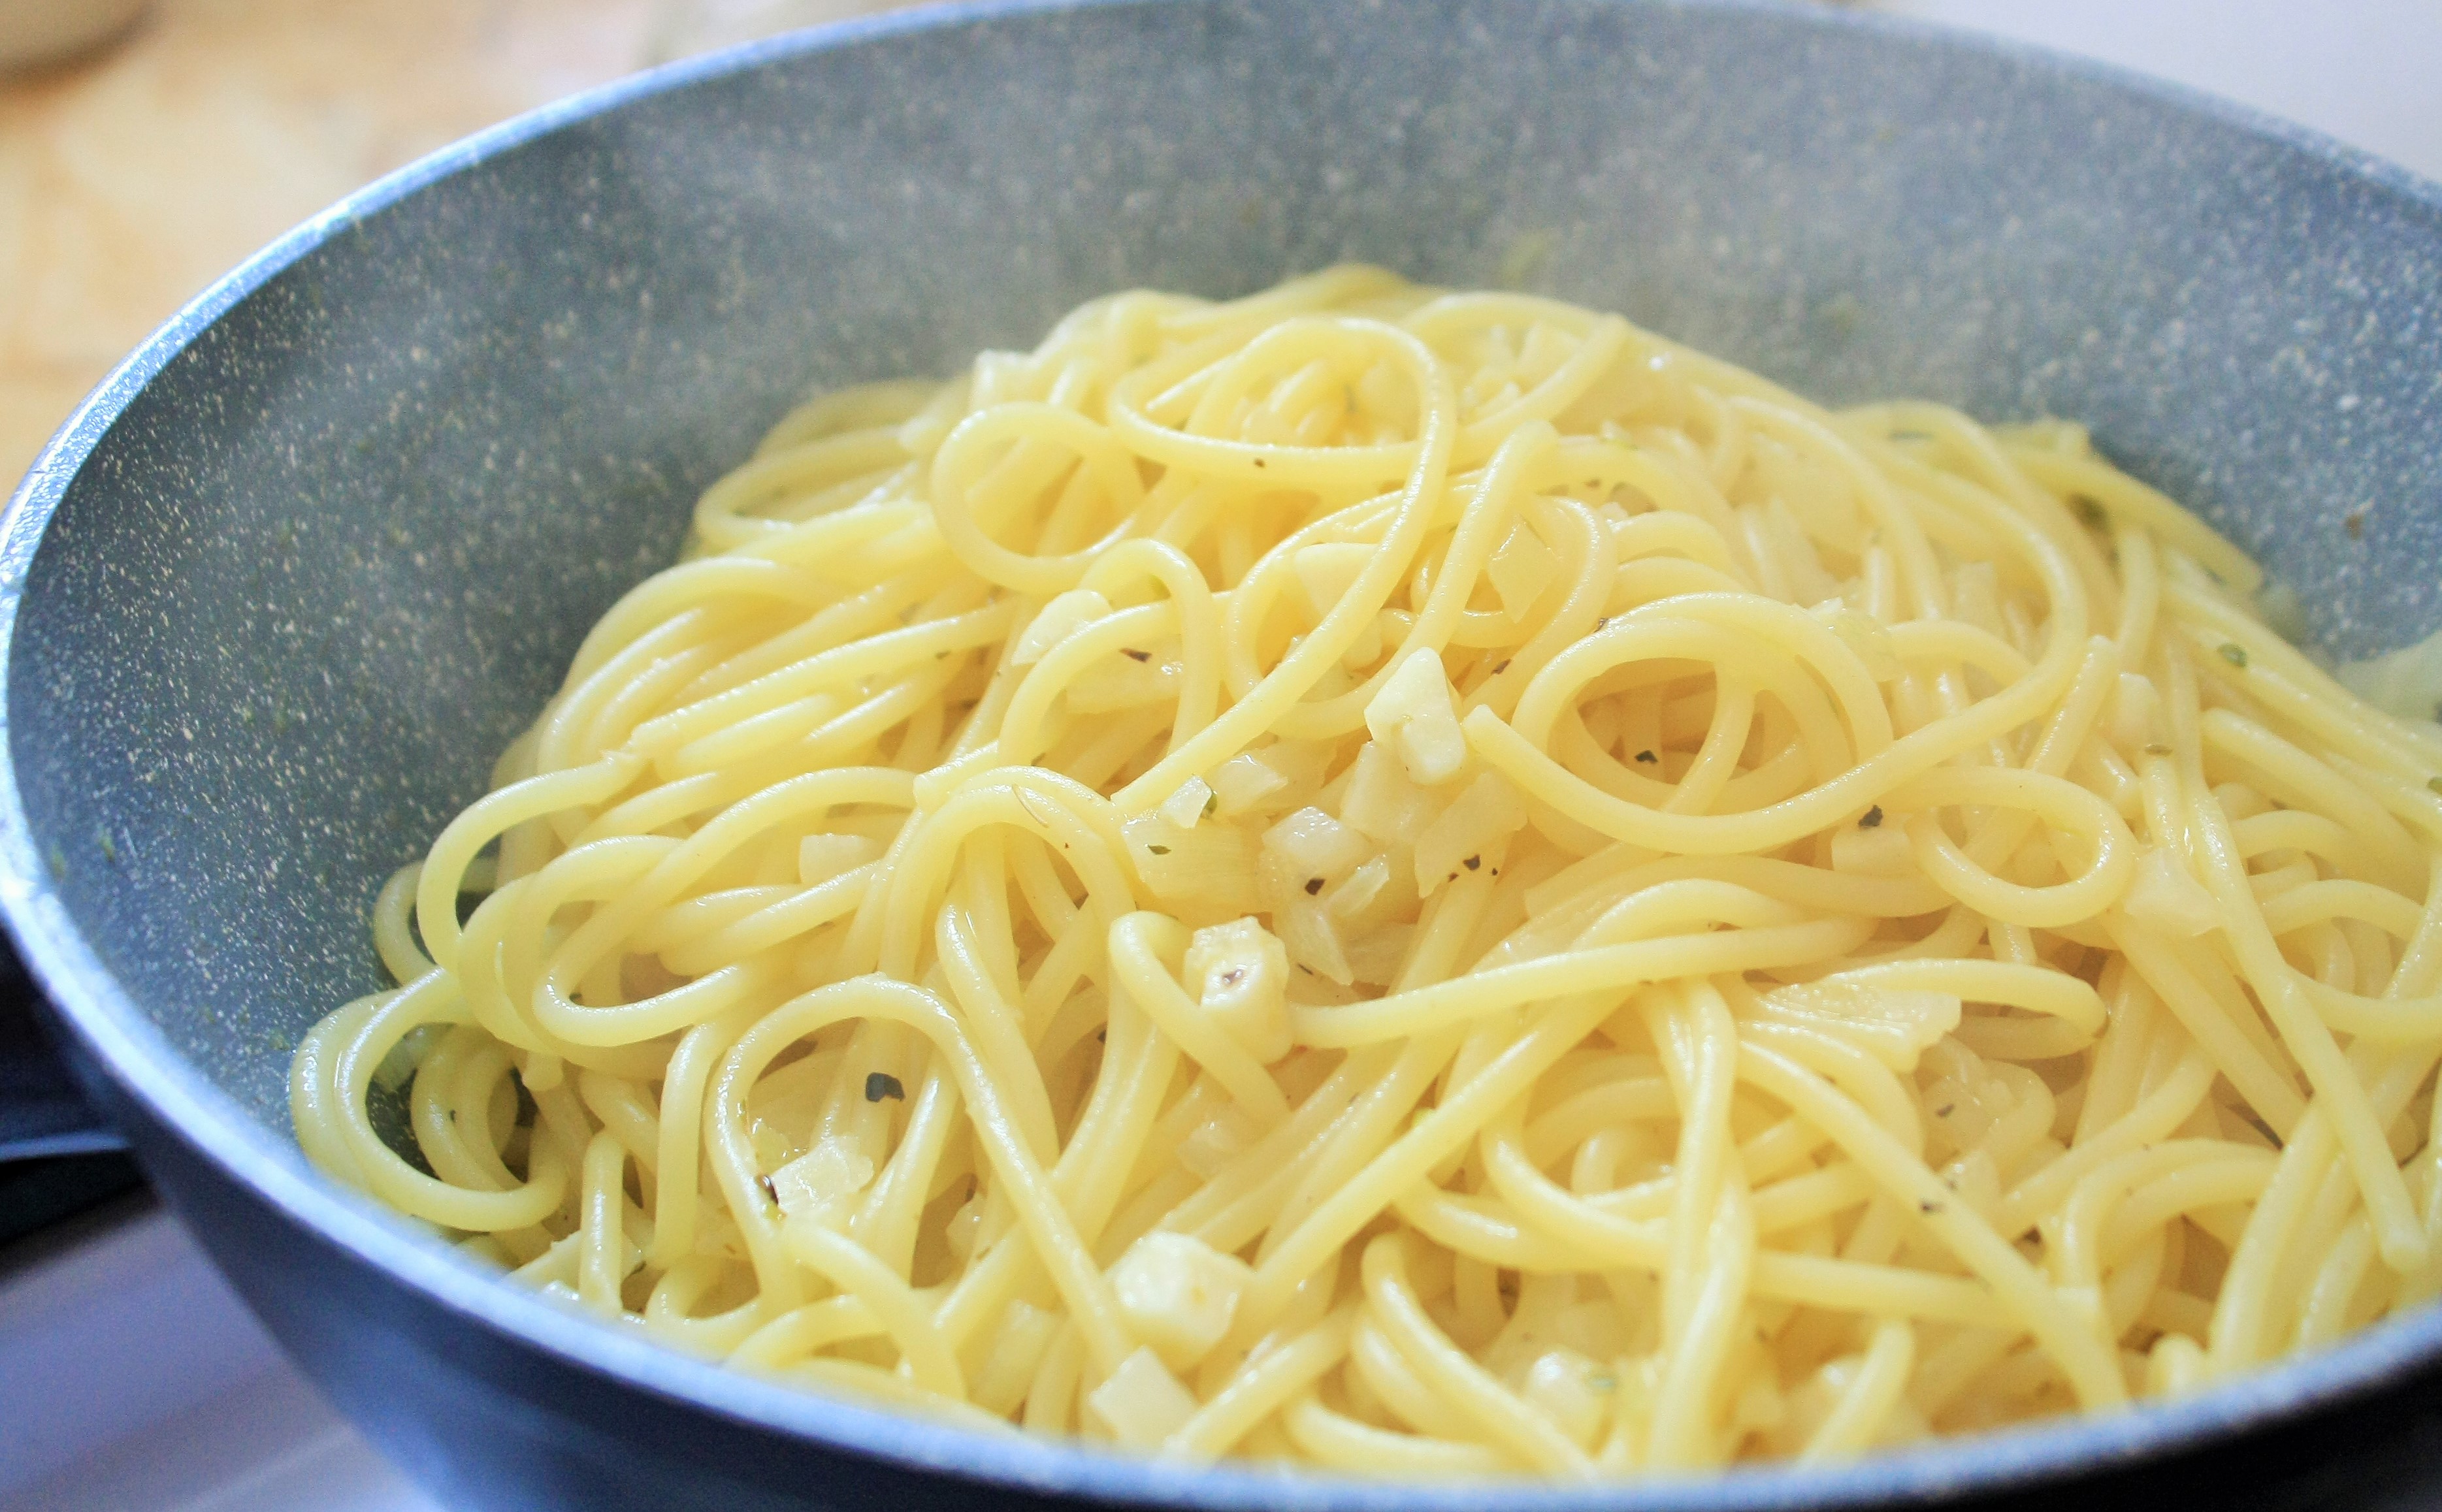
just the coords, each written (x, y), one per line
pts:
(820, 858)
(1179, 1294)
(1892, 1025)
(1522, 570)
(1239, 973)
(1572, 1392)
(1327, 570)
(821, 1185)
(1193, 800)
(1142, 1403)
(1211, 863)
(2163, 896)
(1868, 638)
(1416, 716)
(1064, 617)
(1471, 833)
(1381, 801)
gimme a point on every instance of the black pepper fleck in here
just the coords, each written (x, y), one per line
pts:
(880, 1084)
(1134, 655)
(1870, 818)
(1648, 757)
(1313, 885)
(1473, 862)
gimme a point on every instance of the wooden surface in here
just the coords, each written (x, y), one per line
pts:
(131, 179)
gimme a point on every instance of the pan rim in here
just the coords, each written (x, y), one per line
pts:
(146, 1069)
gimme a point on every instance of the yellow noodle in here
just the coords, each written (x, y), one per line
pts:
(1427, 884)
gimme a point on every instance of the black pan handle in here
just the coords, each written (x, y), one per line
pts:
(40, 1112)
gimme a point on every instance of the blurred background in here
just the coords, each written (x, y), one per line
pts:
(146, 147)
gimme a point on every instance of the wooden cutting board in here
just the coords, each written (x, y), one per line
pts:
(129, 180)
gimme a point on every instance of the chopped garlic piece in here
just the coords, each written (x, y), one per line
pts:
(1522, 570)
(1381, 801)
(1865, 636)
(1572, 1392)
(2164, 895)
(1471, 834)
(1016, 1353)
(820, 858)
(1364, 884)
(1142, 1403)
(821, 1185)
(1416, 716)
(1213, 863)
(1179, 1294)
(1309, 850)
(1893, 1024)
(1239, 973)
(1064, 617)
(1882, 850)
(1244, 781)
(2134, 721)
(1328, 570)
(1191, 802)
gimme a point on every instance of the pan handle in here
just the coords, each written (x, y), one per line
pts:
(40, 1112)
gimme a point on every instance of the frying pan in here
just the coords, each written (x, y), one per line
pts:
(276, 596)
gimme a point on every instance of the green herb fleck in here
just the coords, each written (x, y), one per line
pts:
(2233, 653)
(1158, 850)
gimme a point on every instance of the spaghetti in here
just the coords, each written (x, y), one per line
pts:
(1430, 884)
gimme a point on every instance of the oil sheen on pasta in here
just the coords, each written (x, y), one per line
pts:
(1432, 885)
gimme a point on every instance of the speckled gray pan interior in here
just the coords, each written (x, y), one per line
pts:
(284, 589)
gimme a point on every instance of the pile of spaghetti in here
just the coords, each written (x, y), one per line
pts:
(1429, 883)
